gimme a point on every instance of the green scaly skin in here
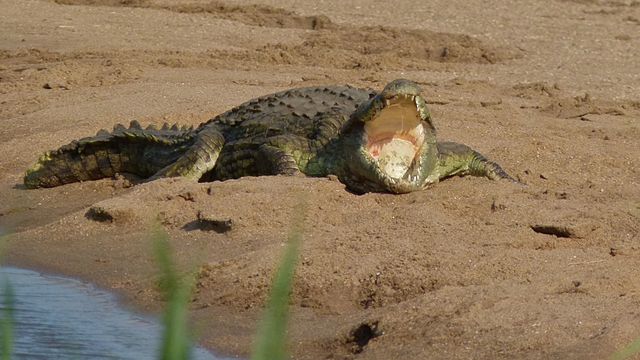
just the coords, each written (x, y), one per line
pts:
(314, 131)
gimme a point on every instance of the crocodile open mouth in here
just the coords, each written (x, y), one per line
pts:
(395, 135)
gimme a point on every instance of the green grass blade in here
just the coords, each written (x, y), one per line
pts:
(6, 322)
(271, 339)
(6, 316)
(176, 343)
(629, 351)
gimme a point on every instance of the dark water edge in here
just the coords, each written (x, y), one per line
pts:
(56, 317)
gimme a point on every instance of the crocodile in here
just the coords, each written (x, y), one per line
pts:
(371, 141)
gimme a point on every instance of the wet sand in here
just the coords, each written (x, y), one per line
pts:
(470, 268)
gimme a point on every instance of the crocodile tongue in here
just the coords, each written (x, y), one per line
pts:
(395, 135)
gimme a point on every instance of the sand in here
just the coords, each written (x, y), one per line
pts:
(470, 268)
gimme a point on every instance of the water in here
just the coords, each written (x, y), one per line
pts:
(61, 318)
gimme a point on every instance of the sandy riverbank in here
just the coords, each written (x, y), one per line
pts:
(549, 89)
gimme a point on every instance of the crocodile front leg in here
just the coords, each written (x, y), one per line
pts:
(458, 159)
(199, 159)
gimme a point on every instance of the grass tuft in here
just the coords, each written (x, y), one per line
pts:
(176, 341)
(271, 338)
(6, 322)
(6, 314)
(630, 350)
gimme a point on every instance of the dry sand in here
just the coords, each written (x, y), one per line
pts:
(469, 268)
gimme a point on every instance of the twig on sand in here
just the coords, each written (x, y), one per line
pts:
(587, 262)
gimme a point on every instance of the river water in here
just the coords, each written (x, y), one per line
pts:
(61, 318)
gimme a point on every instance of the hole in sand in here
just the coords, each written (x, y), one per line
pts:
(558, 231)
(361, 336)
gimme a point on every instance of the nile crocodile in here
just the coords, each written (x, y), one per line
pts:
(372, 141)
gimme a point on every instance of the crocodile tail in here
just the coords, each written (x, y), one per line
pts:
(132, 150)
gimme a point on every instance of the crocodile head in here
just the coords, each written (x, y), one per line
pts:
(390, 140)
